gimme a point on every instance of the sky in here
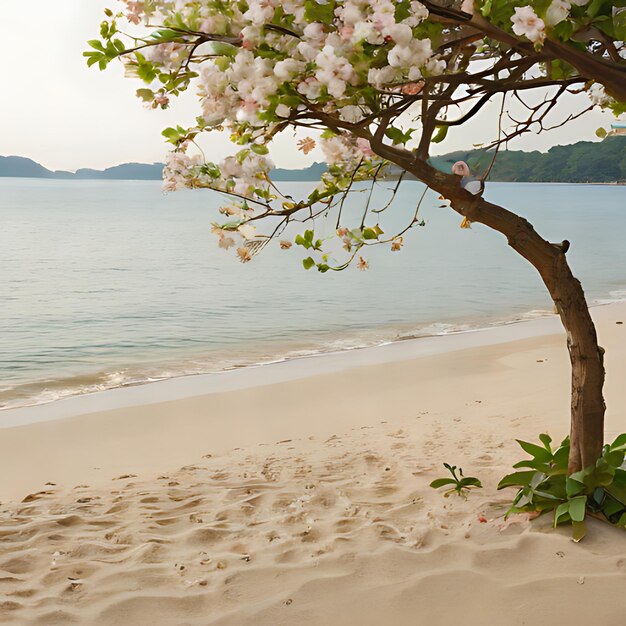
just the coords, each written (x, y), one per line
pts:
(65, 116)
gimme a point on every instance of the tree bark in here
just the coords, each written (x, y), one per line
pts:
(586, 356)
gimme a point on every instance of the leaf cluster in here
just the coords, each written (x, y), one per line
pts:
(543, 484)
(459, 484)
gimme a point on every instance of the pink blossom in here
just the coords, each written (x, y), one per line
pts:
(412, 89)
(161, 101)
(461, 168)
(135, 10)
(468, 6)
(346, 32)
(364, 146)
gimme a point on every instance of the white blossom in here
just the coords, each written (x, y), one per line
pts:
(282, 110)
(351, 114)
(598, 95)
(287, 69)
(333, 71)
(381, 77)
(247, 231)
(339, 150)
(526, 23)
(415, 54)
(259, 11)
(557, 12)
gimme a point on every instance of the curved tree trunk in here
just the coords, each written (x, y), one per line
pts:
(587, 357)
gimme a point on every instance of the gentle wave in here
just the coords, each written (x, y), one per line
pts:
(42, 392)
(109, 284)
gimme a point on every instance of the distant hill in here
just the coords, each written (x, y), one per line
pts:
(126, 171)
(313, 172)
(582, 162)
(20, 167)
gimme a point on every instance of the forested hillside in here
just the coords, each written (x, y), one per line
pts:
(582, 162)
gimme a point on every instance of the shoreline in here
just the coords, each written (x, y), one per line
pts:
(284, 369)
(150, 428)
(104, 179)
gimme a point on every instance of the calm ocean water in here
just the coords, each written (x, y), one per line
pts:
(109, 283)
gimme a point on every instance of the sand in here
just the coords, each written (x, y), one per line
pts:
(305, 499)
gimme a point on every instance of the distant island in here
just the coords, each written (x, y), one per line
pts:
(582, 162)
(22, 167)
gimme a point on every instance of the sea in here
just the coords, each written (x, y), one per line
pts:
(106, 284)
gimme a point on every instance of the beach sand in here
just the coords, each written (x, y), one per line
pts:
(305, 500)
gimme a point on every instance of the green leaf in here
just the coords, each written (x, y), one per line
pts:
(620, 441)
(470, 481)
(222, 63)
(516, 479)
(308, 263)
(614, 458)
(486, 8)
(546, 440)
(579, 530)
(301, 241)
(96, 44)
(93, 58)
(601, 132)
(224, 49)
(573, 486)
(440, 135)
(594, 7)
(171, 134)
(577, 508)
(440, 482)
(397, 136)
(562, 511)
(561, 457)
(369, 233)
(544, 468)
(402, 11)
(259, 148)
(164, 35)
(539, 453)
(323, 12)
(147, 95)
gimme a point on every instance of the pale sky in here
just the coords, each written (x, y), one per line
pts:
(58, 112)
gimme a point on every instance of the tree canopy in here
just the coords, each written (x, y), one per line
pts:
(380, 80)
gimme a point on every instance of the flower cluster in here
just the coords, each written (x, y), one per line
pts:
(244, 174)
(526, 22)
(316, 54)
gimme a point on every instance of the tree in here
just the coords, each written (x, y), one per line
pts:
(381, 80)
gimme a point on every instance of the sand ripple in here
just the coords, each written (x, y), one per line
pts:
(341, 531)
